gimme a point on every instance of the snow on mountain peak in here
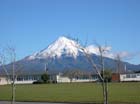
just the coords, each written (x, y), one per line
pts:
(62, 46)
(68, 47)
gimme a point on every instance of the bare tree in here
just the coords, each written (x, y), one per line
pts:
(120, 68)
(98, 69)
(120, 64)
(105, 92)
(9, 56)
(12, 55)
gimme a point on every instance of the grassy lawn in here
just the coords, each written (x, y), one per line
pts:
(75, 92)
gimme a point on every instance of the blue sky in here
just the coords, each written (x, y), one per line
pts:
(31, 25)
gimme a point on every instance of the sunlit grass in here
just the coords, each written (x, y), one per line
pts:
(73, 92)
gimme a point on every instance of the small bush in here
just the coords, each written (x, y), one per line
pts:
(38, 82)
(45, 78)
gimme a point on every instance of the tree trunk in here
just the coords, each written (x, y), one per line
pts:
(13, 83)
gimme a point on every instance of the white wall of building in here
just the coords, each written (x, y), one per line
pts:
(83, 80)
(29, 79)
(25, 82)
(61, 79)
(26, 79)
(3, 81)
(130, 77)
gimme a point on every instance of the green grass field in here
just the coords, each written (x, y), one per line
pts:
(75, 92)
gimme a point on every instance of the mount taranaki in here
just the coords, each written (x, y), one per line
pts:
(63, 55)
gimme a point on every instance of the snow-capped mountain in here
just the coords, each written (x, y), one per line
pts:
(62, 46)
(68, 47)
(65, 54)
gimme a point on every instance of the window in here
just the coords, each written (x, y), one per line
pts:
(133, 76)
(20, 78)
(124, 77)
(128, 76)
(30, 77)
(26, 77)
(138, 74)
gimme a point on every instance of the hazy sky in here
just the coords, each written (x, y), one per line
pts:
(31, 25)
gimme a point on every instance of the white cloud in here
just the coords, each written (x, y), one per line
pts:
(124, 55)
(95, 50)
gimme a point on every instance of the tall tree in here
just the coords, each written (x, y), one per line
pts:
(120, 65)
(12, 54)
(8, 56)
(98, 69)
